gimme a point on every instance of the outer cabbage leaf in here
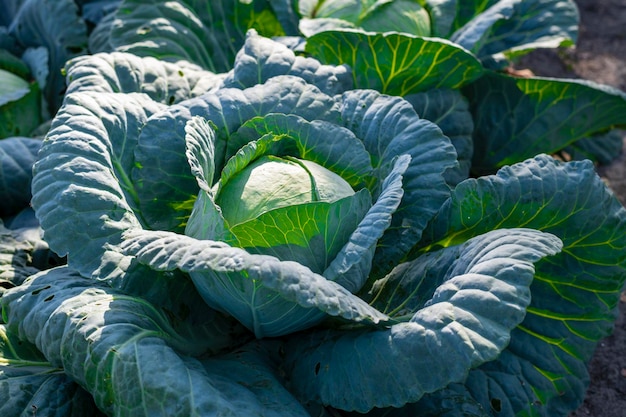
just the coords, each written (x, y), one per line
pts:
(120, 72)
(17, 155)
(65, 36)
(451, 401)
(601, 147)
(29, 385)
(118, 348)
(207, 33)
(82, 178)
(396, 63)
(261, 58)
(513, 27)
(389, 127)
(450, 111)
(482, 296)
(574, 294)
(518, 118)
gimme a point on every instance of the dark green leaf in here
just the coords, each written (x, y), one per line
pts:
(17, 155)
(64, 36)
(395, 63)
(206, 33)
(518, 118)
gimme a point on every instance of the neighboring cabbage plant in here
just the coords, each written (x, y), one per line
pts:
(273, 241)
(446, 57)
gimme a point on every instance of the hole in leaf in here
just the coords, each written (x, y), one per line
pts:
(49, 298)
(317, 368)
(74, 49)
(496, 405)
(37, 291)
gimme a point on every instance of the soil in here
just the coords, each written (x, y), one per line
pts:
(600, 55)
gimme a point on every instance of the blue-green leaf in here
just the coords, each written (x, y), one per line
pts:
(389, 127)
(467, 320)
(449, 110)
(501, 30)
(82, 189)
(31, 386)
(119, 72)
(217, 268)
(261, 58)
(523, 27)
(475, 32)
(352, 265)
(119, 348)
(574, 294)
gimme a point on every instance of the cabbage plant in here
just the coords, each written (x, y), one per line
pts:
(273, 241)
